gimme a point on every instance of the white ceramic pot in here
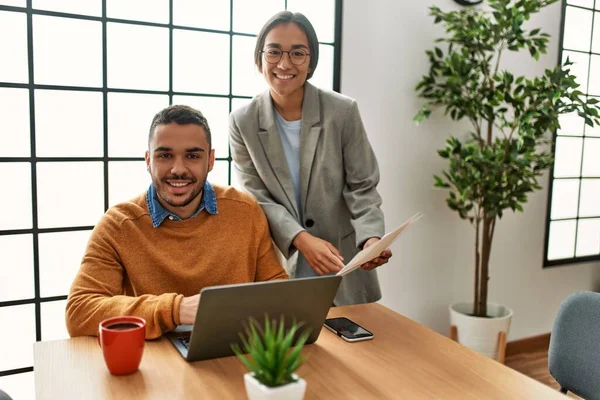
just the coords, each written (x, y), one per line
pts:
(478, 333)
(258, 391)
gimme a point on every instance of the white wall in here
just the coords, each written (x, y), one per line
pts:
(382, 59)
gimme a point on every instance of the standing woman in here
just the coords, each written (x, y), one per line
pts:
(304, 154)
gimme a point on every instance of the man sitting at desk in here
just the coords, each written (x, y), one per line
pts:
(150, 257)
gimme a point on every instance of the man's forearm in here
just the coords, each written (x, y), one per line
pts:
(188, 309)
(85, 311)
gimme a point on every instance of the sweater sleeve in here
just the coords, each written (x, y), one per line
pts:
(268, 266)
(97, 293)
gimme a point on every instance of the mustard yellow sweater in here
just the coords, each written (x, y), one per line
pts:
(132, 268)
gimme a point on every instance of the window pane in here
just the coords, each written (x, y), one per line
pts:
(139, 10)
(216, 111)
(200, 62)
(578, 29)
(596, 37)
(67, 51)
(15, 3)
(250, 16)
(70, 193)
(589, 204)
(20, 386)
(13, 47)
(53, 321)
(591, 159)
(321, 14)
(567, 162)
(593, 131)
(323, 76)
(84, 7)
(579, 68)
(565, 194)
(582, 3)
(16, 178)
(60, 258)
(16, 269)
(235, 104)
(126, 180)
(239, 103)
(561, 242)
(246, 80)
(15, 102)
(594, 86)
(68, 123)
(571, 124)
(220, 173)
(16, 345)
(129, 119)
(588, 237)
(207, 14)
(138, 57)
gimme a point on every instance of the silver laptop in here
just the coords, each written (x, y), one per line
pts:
(223, 312)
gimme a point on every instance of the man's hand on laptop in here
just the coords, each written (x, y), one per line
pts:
(321, 255)
(187, 309)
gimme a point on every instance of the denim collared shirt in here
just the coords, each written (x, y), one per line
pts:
(158, 213)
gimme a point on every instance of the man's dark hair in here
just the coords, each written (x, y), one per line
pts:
(181, 115)
(285, 17)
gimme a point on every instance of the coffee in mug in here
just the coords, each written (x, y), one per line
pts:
(122, 341)
(122, 326)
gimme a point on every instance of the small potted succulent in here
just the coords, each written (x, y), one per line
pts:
(272, 358)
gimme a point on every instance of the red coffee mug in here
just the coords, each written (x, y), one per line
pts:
(122, 341)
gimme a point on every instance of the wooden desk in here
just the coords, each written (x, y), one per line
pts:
(404, 361)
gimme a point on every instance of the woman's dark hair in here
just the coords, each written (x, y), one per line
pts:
(286, 17)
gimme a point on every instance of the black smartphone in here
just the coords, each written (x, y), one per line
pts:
(347, 330)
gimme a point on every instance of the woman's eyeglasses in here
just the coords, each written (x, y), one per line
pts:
(296, 56)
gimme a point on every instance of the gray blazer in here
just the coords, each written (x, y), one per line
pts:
(338, 179)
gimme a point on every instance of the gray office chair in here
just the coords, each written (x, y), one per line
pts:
(4, 396)
(574, 354)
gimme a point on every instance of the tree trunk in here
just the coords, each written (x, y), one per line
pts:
(486, 247)
(477, 267)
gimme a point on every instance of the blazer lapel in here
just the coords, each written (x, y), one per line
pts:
(273, 148)
(309, 137)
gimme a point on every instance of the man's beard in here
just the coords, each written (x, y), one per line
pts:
(177, 203)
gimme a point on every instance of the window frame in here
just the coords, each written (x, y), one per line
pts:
(575, 259)
(33, 160)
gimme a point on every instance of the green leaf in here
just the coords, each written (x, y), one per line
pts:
(440, 183)
(273, 352)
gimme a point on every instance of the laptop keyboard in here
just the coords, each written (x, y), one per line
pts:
(185, 341)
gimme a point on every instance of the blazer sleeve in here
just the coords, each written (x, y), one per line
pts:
(97, 291)
(362, 177)
(282, 224)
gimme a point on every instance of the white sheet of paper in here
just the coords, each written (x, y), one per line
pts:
(375, 250)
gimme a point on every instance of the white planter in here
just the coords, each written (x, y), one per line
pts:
(478, 333)
(258, 391)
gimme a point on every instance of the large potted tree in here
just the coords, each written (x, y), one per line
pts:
(493, 167)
